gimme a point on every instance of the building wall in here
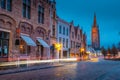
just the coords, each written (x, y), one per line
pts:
(78, 40)
(14, 19)
(75, 43)
(53, 29)
(64, 35)
(72, 40)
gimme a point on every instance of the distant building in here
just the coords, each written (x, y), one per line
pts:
(75, 40)
(63, 37)
(95, 35)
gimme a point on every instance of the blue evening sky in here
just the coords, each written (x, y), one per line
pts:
(82, 12)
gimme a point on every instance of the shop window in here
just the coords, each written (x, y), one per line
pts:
(4, 44)
(24, 49)
(6, 35)
(28, 49)
(1, 34)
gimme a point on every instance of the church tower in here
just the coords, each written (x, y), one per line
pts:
(95, 35)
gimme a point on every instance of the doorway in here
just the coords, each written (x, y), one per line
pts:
(4, 44)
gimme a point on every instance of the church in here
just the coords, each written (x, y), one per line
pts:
(95, 35)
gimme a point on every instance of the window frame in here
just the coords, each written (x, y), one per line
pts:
(6, 4)
(26, 9)
(41, 13)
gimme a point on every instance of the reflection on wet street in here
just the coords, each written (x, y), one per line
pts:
(85, 70)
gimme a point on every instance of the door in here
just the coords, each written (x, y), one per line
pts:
(4, 44)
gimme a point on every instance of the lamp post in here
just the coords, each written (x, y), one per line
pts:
(81, 52)
(58, 47)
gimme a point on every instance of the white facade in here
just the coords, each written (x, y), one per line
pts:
(63, 38)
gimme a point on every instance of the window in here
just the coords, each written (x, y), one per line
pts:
(60, 40)
(66, 43)
(74, 44)
(63, 30)
(24, 48)
(53, 30)
(28, 49)
(63, 42)
(72, 34)
(6, 4)
(54, 15)
(71, 44)
(78, 37)
(67, 31)
(60, 29)
(26, 9)
(4, 44)
(40, 14)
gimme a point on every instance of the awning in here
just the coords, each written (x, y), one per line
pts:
(42, 42)
(28, 40)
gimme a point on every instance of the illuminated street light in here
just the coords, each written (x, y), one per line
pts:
(82, 49)
(58, 46)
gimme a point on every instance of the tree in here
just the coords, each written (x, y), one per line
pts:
(114, 50)
(109, 51)
(104, 52)
(118, 46)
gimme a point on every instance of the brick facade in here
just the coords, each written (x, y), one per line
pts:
(11, 20)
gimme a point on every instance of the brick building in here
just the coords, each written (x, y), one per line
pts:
(53, 29)
(24, 29)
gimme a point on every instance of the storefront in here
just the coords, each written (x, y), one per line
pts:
(25, 44)
(42, 48)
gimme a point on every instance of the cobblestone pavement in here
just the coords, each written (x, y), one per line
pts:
(86, 70)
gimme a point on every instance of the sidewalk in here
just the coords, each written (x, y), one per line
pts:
(30, 68)
(28, 65)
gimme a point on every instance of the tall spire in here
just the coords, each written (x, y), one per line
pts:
(94, 22)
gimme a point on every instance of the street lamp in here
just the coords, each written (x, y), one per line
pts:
(81, 52)
(58, 47)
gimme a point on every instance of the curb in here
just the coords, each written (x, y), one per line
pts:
(28, 69)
